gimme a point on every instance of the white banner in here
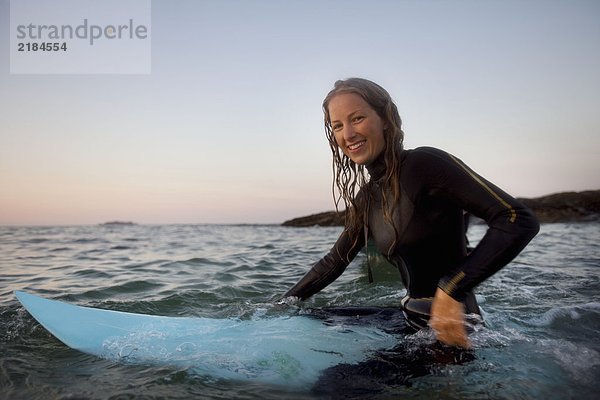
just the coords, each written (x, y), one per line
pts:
(80, 37)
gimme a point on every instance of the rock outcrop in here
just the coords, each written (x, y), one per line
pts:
(566, 207)
(328, 218)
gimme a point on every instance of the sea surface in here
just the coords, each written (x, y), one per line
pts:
(540, 341)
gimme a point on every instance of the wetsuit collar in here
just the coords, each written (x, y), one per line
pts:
(377, 168)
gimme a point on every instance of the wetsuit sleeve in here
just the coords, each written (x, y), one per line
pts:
(329, 268)
(511, 225)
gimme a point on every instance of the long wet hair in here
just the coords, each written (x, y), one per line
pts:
(348, 177)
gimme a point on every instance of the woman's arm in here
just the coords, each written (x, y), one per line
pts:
(511, 225)
(329, 268)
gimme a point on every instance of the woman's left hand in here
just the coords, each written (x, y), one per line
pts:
(448, 320)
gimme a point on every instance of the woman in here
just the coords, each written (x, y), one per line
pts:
(411, 206)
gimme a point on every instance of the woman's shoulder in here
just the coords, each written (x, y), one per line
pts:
(423, 155)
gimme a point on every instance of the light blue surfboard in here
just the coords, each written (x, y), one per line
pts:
(290, 350)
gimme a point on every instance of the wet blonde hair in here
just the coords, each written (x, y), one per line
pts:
(348, 177)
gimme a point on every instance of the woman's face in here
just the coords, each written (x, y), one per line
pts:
(357, 128)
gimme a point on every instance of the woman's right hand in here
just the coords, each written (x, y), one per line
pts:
(448, 320)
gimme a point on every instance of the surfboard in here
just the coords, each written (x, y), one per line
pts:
(286, 350)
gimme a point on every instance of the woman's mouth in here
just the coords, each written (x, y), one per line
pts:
(357, 145)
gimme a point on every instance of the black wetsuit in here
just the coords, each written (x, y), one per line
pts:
(430, 250)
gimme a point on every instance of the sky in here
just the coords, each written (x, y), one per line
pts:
(227, 127)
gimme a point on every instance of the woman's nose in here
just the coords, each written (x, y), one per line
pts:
(349, 132)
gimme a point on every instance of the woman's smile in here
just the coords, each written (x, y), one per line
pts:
(356, 146)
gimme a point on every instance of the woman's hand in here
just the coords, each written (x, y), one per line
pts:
(288, 301)
(448, 320)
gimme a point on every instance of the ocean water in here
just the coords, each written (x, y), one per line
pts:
(540, 340)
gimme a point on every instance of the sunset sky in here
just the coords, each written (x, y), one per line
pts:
(227, 127)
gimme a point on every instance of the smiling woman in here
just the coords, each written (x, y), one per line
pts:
(412, 205)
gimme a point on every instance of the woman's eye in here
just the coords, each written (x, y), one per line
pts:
(358, 118)
(336, 127)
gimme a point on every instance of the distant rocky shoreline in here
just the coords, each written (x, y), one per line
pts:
(559, 207)
(117, 223)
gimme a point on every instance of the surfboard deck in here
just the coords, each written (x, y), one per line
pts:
(289, 350)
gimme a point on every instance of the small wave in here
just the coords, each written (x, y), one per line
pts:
(569, 313)
(88, 240)
(139, 286)
(60, 249)
(264, 246)
(197, 261)
(91, 273)
(120, 247)
(36, 240)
